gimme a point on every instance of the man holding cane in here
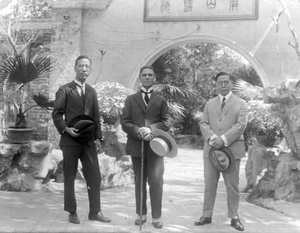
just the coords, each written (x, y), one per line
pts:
(144, 112)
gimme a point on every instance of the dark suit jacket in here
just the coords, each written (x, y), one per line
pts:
(68, 104)
(230, 121)
(136, 115)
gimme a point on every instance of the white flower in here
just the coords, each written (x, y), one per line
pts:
(111, 98)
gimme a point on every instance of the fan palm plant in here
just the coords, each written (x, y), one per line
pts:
(163, 67)
(246, 90)
(16, 73)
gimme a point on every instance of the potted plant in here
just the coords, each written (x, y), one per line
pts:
(16, 74)
(111, 98)
(262, 123)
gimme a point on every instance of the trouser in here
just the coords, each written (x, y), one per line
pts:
(211, 179)
(91, 172)
(153, 173)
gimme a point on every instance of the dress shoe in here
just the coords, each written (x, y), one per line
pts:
(138, 221)
(236, 223)
(157, 225)
(98, 217)
(203, 221)
(73, 218)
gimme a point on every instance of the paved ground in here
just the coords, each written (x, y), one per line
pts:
(182, 204)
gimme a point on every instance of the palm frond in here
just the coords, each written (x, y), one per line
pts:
(163, 65)
(43, 101)
(176, 110)
(173, 90)
(13, 94)
(19, 70)
(44, 64)
(246, 91)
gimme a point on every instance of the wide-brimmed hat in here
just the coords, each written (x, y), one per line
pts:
(163, 144)
(222, 159)
(86, 126)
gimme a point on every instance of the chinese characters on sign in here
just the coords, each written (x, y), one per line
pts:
(188, 10)
(165, 6)
(188, 5)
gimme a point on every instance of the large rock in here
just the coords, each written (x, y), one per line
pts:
(260, 169)
(285, 98)
(287, 179)
(114, 173)
(34, 167)
(115, 140)
(27, 168)
(272, 172)
(281, 177)
(7, 153)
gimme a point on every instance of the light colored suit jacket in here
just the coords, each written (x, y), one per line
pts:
(136, 115)
(230, 121)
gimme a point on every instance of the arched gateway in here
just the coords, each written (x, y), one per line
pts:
(163, 48)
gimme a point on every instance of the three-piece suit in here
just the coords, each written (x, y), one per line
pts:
(231, 122)
(68, 105)
(136, 115)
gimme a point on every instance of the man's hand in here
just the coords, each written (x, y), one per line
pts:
(72, 131)
(144, 133)
(217, 142)
(98, 144)
(148, 137)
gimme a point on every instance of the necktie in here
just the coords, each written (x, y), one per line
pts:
(146, 97)
(82, 95)
(223, 102)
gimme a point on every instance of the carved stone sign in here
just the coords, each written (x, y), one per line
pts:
(192, 10)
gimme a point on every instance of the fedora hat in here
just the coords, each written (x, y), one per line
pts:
(86, 126)
(222, 159)
(163, 144)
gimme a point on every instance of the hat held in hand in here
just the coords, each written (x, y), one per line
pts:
(163, 144)
(222, 159)
(86, 126)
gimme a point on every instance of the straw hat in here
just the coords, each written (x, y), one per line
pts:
(163, 144)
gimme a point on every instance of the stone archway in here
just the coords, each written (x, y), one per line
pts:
(151, 57)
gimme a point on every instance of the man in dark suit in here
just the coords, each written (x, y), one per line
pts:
(74, 99)
(143, 112)
(223, 123)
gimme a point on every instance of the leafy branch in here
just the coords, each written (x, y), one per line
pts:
(292, 30)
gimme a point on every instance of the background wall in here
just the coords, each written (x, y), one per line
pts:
(128, 42)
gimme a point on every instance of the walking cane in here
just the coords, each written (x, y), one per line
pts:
(142, 177)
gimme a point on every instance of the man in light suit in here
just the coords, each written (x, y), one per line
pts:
(222, 125)
(143, 112)
(74, 99)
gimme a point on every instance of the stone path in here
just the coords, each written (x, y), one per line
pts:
(182, 203)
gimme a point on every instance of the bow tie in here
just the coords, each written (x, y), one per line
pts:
(145, 92)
